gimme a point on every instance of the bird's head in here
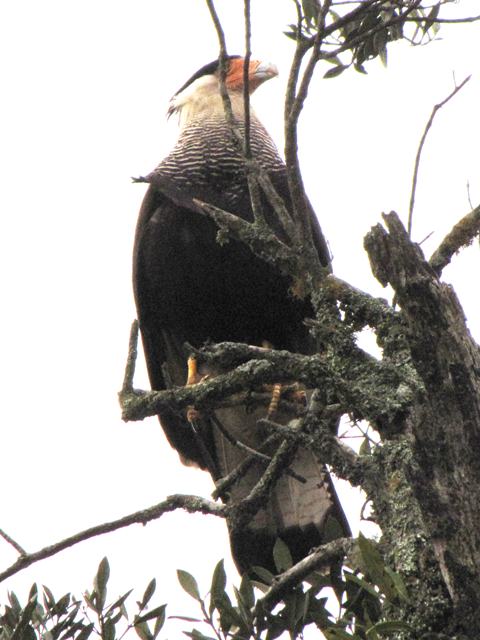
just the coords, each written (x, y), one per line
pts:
(200, 95)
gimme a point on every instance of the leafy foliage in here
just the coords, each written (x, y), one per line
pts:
(357, 32)
(46, 618)
(363, 595)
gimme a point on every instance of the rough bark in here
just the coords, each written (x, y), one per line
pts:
(437, 453)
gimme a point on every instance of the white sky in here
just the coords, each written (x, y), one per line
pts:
(85, 91)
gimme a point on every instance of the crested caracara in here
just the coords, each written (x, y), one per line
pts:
(191, 289)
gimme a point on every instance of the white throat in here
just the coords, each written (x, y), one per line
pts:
(202, 99)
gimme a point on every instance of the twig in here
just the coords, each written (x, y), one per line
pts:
(253, 452)
(460, 236)
(192, 504)
(246, 78)
(12, 542)
(240, 514)
(261, 240)
(294, 105)
(222, 62)
(227, 481)
(131, 359)
(344, 461)
(444, 20)
(436, 108)
(323, 556)
(251, 177)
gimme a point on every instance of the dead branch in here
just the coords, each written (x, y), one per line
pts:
(435, 109)
(131, 359)
(192, 504)
(226, 482)
(252, 452)
(460, 236)
(242, 512)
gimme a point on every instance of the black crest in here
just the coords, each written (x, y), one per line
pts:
(206, 70)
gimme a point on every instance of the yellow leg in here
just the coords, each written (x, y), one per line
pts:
(193, 377)
(273, 406)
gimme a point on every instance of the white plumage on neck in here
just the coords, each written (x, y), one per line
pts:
(202, 99)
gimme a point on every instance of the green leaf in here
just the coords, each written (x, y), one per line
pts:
(33, 591)
(335, 71)
(154, 613)
(261, 586)
(375, 567)
(243, 609)
(118, 603)
(335, 633)
(219, 582)
(116, 618)
(21, 630)
(14, 602)
(282, 556)
(48, 599)
(264, 575)
(158, 625)
(386, 628)
(360, 68)
(61, 606)
(91, 600)
(229, 616)
(101, 580)
(197, 635)
(372, 560)
(310, 10)
(149, 591)
(108, 630)
(189, 584)
(398, 584)
(370, 588)
(143, 631)
(246, 591)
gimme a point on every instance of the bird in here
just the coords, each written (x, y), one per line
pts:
(189, 288)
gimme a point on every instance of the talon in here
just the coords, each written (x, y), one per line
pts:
(298, 395)
(273, 406)
(193, 377)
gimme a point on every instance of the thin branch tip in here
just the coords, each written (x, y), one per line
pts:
(435, 109)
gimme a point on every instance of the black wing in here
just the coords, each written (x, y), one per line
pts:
(189, 288)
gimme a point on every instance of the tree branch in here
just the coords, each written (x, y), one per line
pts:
(257, 455)
(344, 461)
(12, 542)
(261, 240)
(131, 359)
(323, 556)
(241, 513)
(436, 108)
(379, 391)
(192, 504)
(444, 20)
(460, 236)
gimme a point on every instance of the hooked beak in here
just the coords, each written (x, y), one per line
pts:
(265, 71)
